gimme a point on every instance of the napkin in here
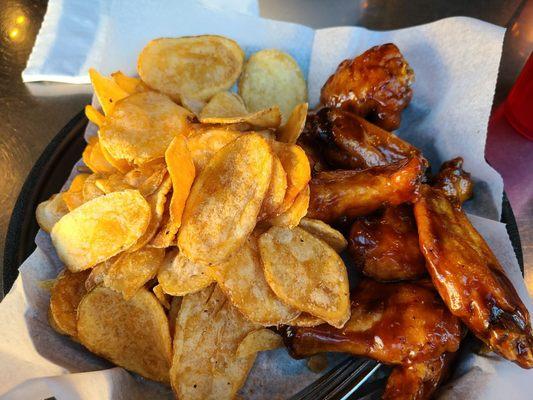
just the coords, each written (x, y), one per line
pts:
(455, 61)
(73, 32)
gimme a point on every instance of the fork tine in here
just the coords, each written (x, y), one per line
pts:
(341, 382)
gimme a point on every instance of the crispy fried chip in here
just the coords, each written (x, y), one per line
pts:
(175, 305)
(294, 126)
(295, 213)
(306, 273)
(131, 271)
(106, 90)
(193, 105)
(100, 228)
(129, 84)
(296, 165)
(141, 127)
(263, 119)
(306, 320)
(259, 340)
(223, 105)
(148, 177)
(225, 200)
(276, 191)
(112, 183)
(120, 164)
(272, 77)
(179, 276)
(204, 145)
(90, 190)
(208, 333)
(242, 279)
(94, 158)
(96, 277)
(194, 66)
(50, 211)
(95, 116)
(133, 334)
(163, 299)
(182, 173)
(65, 295)
(324, 232)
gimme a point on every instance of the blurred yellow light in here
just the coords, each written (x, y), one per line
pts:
(13, 33)
(20, 19)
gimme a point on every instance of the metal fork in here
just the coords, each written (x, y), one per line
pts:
(341, 382)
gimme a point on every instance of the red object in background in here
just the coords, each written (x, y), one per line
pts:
(519, 104)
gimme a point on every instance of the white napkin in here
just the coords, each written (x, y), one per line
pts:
(73, 33)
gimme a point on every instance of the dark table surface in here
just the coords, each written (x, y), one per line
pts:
(32, 114)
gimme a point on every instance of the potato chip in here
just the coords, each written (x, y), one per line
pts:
(272, 77)
(163, 299)
(182, 173)
(86, 155)
(130, 271)
(96, 277)
(111, 183)
(225, 200)
(100, 228)
(296, 211)
(242, 279)
(204, 145)
(129, 84)
(179, 276)
(133, 333)
(223, 105)
(263, 119)
(194, 66)
(94, 115)
(290, 132)
(50, 211)
(175, 305)
(306, 273)
(208, 333)
(259, 340)
(65, 295)
(141, 127)
(97, 162)
(90, 191)
(324, 232)
(120, 164)
(148, 177)
(193, 105)
(106, 90)
(276, 191)
(306, 320)
(296, 165)
(73, 199)
(163, 237)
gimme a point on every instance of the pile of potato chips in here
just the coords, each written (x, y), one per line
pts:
(188, 236)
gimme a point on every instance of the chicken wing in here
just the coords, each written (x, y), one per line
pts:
(418, 381)
(395, 323)
(454, 181)
(342, 193)
(347, 141)
(470, 279)
(384, 246)
(375, 85)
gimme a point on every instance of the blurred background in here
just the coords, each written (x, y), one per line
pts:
(32, 114)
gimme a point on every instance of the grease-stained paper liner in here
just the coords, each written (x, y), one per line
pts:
(455, 61)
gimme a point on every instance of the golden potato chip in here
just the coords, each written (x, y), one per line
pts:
(50, 211)
(194, 66)
(182, 173)
(111, 183)
(175, 305)
(73, 197)
(324, 232)
(147, 178)
(204, 145)
(141, 127)
(272, 77)
(179, 276)
(90, 191)
(296, 211)
(259, 340)
(306, 273)
(163, 237)
(133, 333)
(242, 279)
(100, 228)
(276, 191)
(97, 162)
(86, 155)
(120, 164)
(306, 320)
(296, 165)
(77, 183)
(193, 105)
(294, 126)
(130, 271)
(96, 277)
(157, 202)
(225, 200)
(65, 295)
(106, 90)
(223, 104)
(94, 115)
(263, 119)
(208, 333)
(163, 299)
(129, 84)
